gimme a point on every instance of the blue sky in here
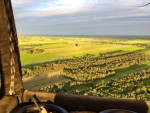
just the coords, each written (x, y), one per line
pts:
(82, 17)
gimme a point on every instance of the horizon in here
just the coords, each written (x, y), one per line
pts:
(81, 17)
(85, 35)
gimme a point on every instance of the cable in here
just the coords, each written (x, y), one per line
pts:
(134, 3)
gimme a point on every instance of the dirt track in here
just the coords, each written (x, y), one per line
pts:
(41, 81)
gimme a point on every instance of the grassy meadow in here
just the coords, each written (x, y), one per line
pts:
(36, 49)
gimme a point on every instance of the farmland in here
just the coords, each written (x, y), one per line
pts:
(99, 66)
(42, 49)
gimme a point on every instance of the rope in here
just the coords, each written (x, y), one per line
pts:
(12, 62)
(138, 3)
(12, 50)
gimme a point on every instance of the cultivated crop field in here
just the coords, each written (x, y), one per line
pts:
(99, 66)
(36, 49)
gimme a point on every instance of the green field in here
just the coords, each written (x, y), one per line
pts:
(42, 49)
(87, 66)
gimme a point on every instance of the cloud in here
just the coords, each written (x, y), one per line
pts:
(20, 3)
(47, 8)
(39, 8)
(69, 13)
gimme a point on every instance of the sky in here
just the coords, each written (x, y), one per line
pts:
(82, 17)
